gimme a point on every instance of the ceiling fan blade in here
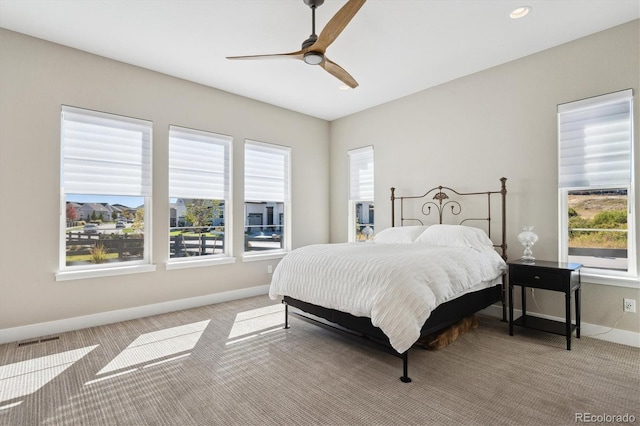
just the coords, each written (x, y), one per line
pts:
(338, 72)
(334, 27)
(293, 55)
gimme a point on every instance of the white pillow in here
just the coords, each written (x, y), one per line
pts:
(455, 236)
(399, 235)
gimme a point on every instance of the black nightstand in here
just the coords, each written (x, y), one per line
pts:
(556, 276)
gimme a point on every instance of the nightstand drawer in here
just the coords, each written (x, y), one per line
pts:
(537, 278)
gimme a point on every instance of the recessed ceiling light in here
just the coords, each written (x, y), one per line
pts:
(520, 12)
(343, 87)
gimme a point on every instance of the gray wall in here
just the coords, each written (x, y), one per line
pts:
(36, 78)
(469, 132)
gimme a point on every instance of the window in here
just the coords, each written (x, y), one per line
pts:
(361, 226)
(266, 196)
(199, 175)
(595, 179)
(106, 190)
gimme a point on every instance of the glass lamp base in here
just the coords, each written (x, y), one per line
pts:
(528, 238)
(527, 256)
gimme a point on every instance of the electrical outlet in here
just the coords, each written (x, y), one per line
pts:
(269, 269)
(630, 305)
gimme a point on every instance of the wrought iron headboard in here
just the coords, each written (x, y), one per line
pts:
(441, 200)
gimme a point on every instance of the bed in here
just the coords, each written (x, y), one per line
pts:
(438, 266)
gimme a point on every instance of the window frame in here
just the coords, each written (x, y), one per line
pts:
(357, 190)
(628, 278)
(145, 127)
(286, 152)
(226, 142)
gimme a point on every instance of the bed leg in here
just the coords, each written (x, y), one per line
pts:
(405, 368)
(286, 314)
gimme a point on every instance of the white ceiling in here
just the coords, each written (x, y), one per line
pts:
(392, 47)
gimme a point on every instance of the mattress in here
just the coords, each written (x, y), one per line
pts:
(396, 285)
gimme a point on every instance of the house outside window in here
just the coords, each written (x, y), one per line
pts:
(596, 188)
(267, 198)
(361, 189)
(105, 191)
(199, 188)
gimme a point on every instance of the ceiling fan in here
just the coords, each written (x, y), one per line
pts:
(313, 49)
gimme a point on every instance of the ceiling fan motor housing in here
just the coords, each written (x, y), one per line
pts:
(308, 42)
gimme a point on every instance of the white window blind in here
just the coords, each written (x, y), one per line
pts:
(198, 164)
(594, 137)
(105, 154)
(361, 174)
(266, 173)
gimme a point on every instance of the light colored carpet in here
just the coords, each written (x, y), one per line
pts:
(233, 363)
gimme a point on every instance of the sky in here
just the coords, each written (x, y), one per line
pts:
(111, 199)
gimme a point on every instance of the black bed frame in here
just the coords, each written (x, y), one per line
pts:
(441, 199)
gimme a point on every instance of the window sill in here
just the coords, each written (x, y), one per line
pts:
(200, 263)
(593, 278)
(103, 272)
(250, 257)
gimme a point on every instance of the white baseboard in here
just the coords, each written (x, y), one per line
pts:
(69, 324)
(15, 334)
(624, 337)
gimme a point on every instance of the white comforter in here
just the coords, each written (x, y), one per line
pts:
(396, 285)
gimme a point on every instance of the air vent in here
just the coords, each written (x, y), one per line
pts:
(33, 342)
